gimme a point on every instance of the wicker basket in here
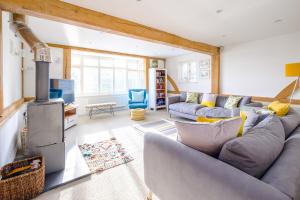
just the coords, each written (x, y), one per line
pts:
(25, 186)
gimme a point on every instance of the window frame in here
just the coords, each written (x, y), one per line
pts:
(81, 66)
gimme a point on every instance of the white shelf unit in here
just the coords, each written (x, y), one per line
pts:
(157, 88)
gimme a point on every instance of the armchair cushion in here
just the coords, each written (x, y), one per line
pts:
(137, 97)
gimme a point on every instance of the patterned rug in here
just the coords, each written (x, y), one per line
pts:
(163, 126)
(104, 155)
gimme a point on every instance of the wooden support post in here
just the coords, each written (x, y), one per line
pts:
(67, 63)
(215, 73)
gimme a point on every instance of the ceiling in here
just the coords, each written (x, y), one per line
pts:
(65, 34)
(217, 22)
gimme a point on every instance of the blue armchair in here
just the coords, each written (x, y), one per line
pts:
(142, 104)
(55, 93)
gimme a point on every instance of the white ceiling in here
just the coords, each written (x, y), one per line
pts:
(240, 20)
(60, 33)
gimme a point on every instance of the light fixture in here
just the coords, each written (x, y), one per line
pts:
(277, 20)
(219, 11)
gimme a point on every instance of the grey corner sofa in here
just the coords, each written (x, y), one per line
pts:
(174, 171)
(178, 107)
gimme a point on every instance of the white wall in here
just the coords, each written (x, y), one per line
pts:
(11, 62)
(12, 91)
(172, 65)
(257, 68)
(9, 136)
(56, 69)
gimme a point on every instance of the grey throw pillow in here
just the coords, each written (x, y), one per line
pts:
(254, 152)
(208, 137)
(290, 121)
(251, 121)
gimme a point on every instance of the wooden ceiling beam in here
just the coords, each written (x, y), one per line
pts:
(72, 14)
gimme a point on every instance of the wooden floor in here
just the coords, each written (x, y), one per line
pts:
(124, 182)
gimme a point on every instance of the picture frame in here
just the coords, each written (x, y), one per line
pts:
(204, 64)
(204, 73)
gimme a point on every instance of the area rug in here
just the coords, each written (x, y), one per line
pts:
(104, 155)
(163, 126)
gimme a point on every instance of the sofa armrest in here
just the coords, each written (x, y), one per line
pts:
(173, 99)
(174, 171)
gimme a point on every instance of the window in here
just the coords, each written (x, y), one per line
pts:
(103, 74)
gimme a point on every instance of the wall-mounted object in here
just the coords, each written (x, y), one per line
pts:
(153, 63)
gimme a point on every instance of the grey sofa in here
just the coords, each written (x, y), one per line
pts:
(174, 171)
(178, 107)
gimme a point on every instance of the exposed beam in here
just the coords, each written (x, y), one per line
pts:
(287, 91)
(173, 83)
(72, 14)
(101, 51)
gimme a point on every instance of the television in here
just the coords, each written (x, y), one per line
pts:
(67, 87)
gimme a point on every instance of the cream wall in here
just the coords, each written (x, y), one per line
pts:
(257, 68)
(12, 54)
(172, 65)
(12, 90)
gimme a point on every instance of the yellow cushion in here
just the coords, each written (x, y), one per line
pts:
(209, 120)
(212, 120)
(243, 115)
(208, 103)
(281, 109)
(209, 100)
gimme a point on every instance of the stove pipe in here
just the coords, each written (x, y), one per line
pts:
(42, 57)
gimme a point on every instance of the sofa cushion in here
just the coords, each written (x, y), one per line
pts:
(221, 100)
(215, 112)
(182, 96)
(187, 108)
(245, 100)
(254, 152)
(208, 137)
(191, 97)
(285, 172)
(232, 102)
(290, 121)
(251, 120)
(209, 100)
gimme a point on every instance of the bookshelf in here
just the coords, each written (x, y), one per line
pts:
(157, 88)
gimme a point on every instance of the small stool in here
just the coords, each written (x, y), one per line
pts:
(137, 114)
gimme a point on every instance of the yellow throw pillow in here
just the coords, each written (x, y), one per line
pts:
(280, 109)
(209, 120)
(209, 100)
(243, 115)
(213, 120)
